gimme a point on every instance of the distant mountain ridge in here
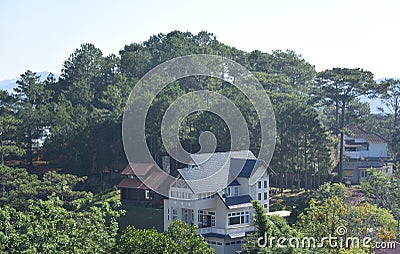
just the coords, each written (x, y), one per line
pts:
(10, 84)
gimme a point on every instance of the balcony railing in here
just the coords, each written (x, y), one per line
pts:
(223, 231)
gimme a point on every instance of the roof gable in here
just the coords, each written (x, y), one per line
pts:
(359, 133)
(149, 177)
(234, 183)
(247, 165)
(139, 169)
(213, 172)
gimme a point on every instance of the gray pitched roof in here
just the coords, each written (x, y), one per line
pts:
(212, 171)
(245, 166)
(234, 183)
(357, 132)
(238, 200)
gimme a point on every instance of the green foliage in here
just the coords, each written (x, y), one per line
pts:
(47, 227)
(8, 127)
(18, 186)
(260, 218)
(266, 228)
(328, 190)
(302, 145)
(179, 238)
(383, 191)
(340, 87)
(322, 219)
(369, 220)
(144, 241)
(32, 110)
(48, 216)
(84, 110)
(389, 92)
(186, 238)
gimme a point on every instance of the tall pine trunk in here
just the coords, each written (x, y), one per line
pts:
(1, 149)
(340, 169)
(29, 150)
(305, 163)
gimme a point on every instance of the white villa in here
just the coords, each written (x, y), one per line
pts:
(364, 150)
(215, 193)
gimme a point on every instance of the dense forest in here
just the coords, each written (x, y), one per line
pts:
(83, 110)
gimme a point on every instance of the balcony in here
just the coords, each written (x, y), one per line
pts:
(239, 230)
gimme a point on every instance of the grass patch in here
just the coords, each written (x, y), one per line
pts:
(136, 215)
(287, 200)
(295, 202)
(141, 217)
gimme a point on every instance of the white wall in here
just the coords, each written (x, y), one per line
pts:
(374, 151)
(254, 190)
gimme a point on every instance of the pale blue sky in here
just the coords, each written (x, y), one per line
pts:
(40, 35)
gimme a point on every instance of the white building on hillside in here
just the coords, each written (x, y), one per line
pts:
(225, 217)
(364, 150)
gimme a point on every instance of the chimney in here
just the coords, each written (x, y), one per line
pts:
(166, 164)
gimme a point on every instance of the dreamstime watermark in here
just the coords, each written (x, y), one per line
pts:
(340, 240)
(144, 93)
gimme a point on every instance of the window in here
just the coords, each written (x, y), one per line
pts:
(212, 221)
(205, 195)
(147, 194)
(214, 243)
(364, 173)
(259, 196)
(206, 219)
(174, 214)
(265, 195)
(265, 184)
(236, 218)
(259, 184)
(168, 214)
(266, 206)
(227, 191)
(186, 216)
(236, 191)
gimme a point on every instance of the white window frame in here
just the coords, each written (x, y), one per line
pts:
(244, 217)
(228, 191)
(174, 214)
(236, 191)
(147, 194)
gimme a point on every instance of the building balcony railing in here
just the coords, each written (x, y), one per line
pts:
(240, 229)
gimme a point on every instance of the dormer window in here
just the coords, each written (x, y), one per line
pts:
(228, 191)
(236, 191)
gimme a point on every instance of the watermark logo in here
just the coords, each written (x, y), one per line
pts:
(152, 83)
(341, 230)
(341, 240)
